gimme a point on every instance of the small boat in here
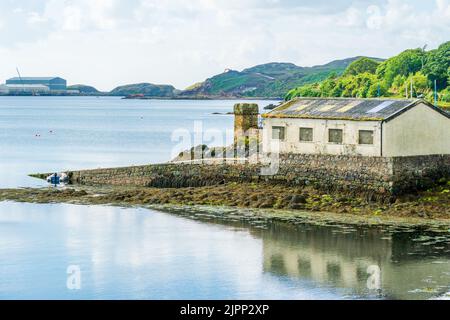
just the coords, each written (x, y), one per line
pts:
(58, 178)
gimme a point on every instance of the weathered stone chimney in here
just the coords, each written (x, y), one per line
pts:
(245, 120)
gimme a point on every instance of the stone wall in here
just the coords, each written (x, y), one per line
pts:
(337, 173)
(170, 175)
(355, 174)
(418, 172)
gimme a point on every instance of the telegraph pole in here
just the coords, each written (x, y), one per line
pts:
(435, 94)
(411, 88)
(423, 55)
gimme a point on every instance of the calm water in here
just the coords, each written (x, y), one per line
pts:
(130, 253)
(46, 134)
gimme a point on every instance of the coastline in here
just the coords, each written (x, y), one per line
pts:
(234, 202)
(193, 98)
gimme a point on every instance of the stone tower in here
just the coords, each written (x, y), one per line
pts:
(245, 120)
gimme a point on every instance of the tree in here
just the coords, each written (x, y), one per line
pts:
(327, 86)
(337, 90)
(361, 65)
(377, 90)
(406, 63)
(398, 82)
(366, 81)
(420, 84)
(444, 95)
(437, 66)
(310, 90)
(392, 77)
(448, 78)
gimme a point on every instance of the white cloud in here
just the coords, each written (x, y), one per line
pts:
(35, 17)
(110, 42)
(374, 19)
(100, 13)
(72, 18)
(353, 17)
(444, 7)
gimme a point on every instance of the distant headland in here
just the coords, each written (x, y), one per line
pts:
(265, 81)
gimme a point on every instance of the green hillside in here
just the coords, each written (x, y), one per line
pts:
(266, 80)
(394, 77)
(83, 89)
(146, 89)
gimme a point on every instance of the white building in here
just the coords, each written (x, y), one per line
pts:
(27, 89)
(367, 127)
(3, 89)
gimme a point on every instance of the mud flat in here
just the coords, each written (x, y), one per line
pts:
(260, 203)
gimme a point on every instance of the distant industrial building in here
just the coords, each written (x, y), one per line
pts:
(18, 89)
(3, 89)
(33, 83)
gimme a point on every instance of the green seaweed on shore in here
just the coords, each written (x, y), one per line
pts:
(250, 203)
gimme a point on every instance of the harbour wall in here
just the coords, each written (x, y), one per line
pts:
(355, 174)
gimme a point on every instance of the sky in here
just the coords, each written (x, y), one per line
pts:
(106, 43)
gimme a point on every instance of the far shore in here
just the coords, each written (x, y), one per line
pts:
(194, 98)
(258, 202)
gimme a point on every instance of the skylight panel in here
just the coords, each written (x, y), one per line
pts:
(380, 107)
(349, 106)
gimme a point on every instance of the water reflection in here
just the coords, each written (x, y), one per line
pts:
(370, 262)
(143, 254)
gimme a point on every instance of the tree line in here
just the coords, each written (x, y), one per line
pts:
(414, 72)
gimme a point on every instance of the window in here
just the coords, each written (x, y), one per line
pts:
(365, 137)
(278, 133)
(306, 134)
(335, 135)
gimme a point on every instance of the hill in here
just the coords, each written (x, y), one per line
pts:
(83, 89)
(413, 70)
(146, 89)
(266, 80)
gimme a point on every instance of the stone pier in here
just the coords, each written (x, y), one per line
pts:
(355, 174)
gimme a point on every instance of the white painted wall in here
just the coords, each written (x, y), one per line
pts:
(419, 131)
(320, 145)
(3, 89)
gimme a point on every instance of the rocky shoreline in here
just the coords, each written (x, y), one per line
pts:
(259, 203)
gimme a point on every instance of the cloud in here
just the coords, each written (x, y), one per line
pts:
(72, 18)
(81, 15)
(374, 19)
(35, 18)
(111, 42)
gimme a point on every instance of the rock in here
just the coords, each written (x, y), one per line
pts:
(298, 199)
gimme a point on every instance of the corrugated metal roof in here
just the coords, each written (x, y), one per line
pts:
(340, 108)
(20, 86)
(33, 78)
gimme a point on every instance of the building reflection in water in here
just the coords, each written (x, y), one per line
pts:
(367, 262)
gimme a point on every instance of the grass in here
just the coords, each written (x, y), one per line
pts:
(444, 105)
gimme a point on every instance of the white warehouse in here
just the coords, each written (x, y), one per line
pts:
(366, 127)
